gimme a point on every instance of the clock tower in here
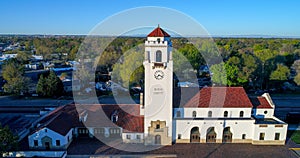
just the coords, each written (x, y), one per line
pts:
(158, 88)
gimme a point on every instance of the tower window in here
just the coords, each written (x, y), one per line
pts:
(158, 56)
(194, 113)
(158, 40)
(225, 113)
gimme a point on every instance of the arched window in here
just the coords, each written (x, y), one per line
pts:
(210, 114)
(194, 113)
(178, 114)
(241, 113)
(158, 56)
(225, 113)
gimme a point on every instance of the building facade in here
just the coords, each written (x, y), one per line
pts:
(212, 115)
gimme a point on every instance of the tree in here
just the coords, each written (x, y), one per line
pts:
(297, 79)
(219, 74)
(50, 86)
(23, 57)
(192, 54)
(41, 86)
(232, 74)
(281, 73)
(13, 73)
(264, 55)
(8, 142)
(129, 70)
(296, 66)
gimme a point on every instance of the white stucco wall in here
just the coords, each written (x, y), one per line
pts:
(263, 113)
(237, 127)
(38, 135)
(216, 112)
(133, 137)
(270, 131)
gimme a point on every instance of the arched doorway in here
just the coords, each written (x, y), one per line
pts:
(195, 135)
(227, 135)
(157, 140)
(47, 142)
(211, 135)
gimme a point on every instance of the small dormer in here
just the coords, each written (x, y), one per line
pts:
(83, 116)
(114, 116)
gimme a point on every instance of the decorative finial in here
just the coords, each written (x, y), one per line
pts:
(158, 26)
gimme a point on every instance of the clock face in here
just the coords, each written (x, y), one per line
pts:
(159, 74)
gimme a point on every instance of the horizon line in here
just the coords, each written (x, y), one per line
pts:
(145, 35)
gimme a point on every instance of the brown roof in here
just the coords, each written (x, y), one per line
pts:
(62, 119)
(158, 32)
(61, 124)
(218, 97)
(129, 117)
(66, 117)
(260, 103)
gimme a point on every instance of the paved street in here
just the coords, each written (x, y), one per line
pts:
(35, 102)
(86, 146)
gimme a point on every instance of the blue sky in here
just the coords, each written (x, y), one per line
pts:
(219, 17)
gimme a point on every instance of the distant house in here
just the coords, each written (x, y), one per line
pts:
(34, 66)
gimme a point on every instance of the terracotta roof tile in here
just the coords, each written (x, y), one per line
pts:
(62, 119)
(129, 117)
(260, 103)
(158, 32)
(217, 97)
(98, 115)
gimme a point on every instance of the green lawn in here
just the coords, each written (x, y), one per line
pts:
(295, 136)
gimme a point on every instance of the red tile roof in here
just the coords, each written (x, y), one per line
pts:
(61, 120)
(98, 115)
(158, 32)
(218, 97)
(260, 103)
(129, 118)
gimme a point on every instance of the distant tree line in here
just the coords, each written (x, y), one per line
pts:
(255, 63)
